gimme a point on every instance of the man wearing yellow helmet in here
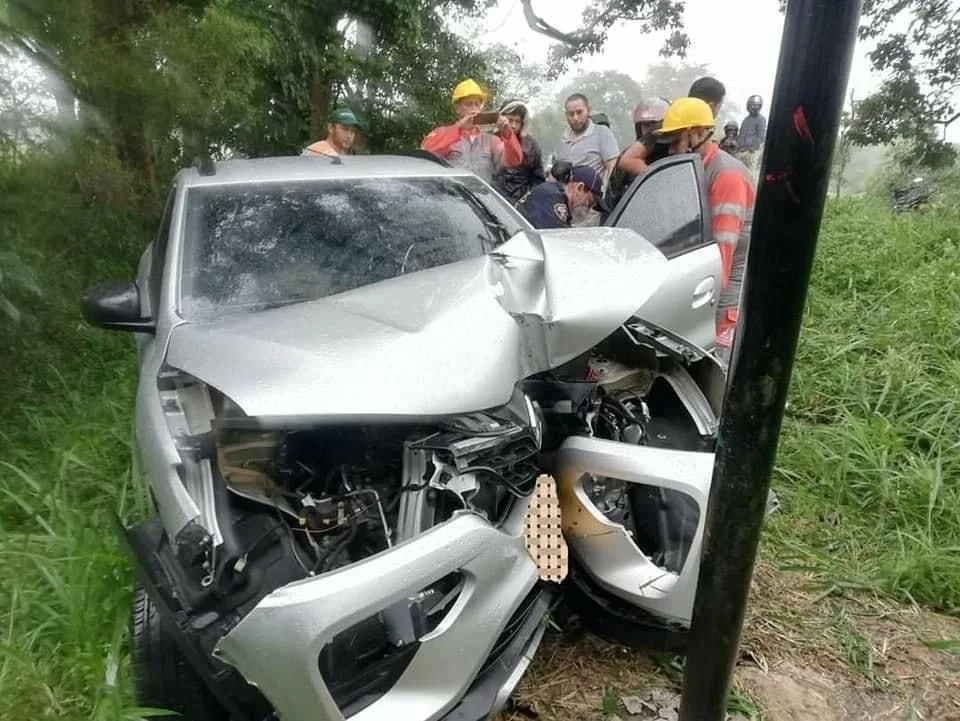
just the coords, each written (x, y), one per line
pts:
(465, 145)
(688, 128)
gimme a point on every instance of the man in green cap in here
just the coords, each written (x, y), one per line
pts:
(341, 132)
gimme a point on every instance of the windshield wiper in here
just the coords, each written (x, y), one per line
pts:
(496, 228)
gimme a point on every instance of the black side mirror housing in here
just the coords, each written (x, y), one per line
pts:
(115, 305)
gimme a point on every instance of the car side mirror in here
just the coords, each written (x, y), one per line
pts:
(115, 305)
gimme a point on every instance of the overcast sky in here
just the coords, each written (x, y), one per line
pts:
(738, 39)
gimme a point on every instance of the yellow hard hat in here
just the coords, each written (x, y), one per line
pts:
(686, 113)
(468, 89)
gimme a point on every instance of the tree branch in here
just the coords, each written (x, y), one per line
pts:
(946, 92)
(947, 121)
(537, 24)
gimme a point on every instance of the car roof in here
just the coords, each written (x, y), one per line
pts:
(318, 168)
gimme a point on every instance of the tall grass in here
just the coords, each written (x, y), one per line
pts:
(65, 435)
(870, 453)
(867, 469)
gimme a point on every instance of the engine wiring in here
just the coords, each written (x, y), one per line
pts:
(293, 541)
(509, 485)
(325, 558)
(238, 563)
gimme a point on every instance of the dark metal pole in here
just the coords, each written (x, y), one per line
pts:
(815, 57)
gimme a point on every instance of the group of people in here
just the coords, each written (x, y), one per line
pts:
(589, 170)
(746, 140)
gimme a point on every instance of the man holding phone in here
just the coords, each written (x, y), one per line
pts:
(465, 144)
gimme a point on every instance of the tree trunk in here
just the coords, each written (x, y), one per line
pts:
(321, 93)
(136, 153)
(193, 144)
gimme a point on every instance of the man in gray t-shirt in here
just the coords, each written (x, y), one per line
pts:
(584, 142)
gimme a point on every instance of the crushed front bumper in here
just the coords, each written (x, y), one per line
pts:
(277, 645)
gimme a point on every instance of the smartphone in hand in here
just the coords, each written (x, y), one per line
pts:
(486, 118)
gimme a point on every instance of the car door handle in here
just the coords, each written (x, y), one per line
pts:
(704, 292)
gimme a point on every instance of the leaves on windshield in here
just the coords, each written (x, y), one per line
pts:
(256, 246)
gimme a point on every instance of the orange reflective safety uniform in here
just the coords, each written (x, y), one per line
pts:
(472, 149)
(731, 193)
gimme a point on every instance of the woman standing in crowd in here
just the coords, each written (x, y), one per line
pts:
(515, 182)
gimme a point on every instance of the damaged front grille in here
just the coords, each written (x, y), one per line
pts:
(507, 455)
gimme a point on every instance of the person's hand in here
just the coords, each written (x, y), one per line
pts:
(503, 123)
(467, 120)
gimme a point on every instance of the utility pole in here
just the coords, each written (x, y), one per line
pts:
(815, 58)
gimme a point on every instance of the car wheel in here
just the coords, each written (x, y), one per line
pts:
(616, 621)
(162, 676)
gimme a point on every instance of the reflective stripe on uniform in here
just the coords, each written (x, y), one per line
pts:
(727, 209)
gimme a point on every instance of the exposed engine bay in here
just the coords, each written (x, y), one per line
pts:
(350, 491)
(299, 499)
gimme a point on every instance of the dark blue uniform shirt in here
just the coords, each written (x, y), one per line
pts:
(545, 206)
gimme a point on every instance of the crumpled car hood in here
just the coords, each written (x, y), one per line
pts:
(451, 339)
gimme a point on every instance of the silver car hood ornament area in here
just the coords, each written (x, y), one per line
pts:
(450, 339)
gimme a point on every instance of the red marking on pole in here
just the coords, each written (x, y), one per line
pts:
(785, 177)
(800, 124)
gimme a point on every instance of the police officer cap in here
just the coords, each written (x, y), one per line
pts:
(589, 177)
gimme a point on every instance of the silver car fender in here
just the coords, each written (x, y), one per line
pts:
(606, 549)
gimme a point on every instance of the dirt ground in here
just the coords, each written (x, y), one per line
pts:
(806, 654)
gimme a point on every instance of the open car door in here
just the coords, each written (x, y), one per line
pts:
(667, 205)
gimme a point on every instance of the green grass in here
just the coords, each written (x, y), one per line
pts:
(65, 439)
(867, 469)
(870, 451)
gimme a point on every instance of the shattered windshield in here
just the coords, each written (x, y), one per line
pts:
(256, 246)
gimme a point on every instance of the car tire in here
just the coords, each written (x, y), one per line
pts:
(616, 621)
(162, 676)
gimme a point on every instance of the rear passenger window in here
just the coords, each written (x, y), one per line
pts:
(665, 209)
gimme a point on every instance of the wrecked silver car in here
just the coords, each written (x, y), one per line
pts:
(352, 374)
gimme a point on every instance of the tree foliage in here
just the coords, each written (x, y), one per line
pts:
(160, 81)
(512, 76)
(22, 107)
(672, 80)
(917, 50)
(157, 81)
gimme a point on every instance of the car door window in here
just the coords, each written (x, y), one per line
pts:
(666, 207)
(159, 253)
